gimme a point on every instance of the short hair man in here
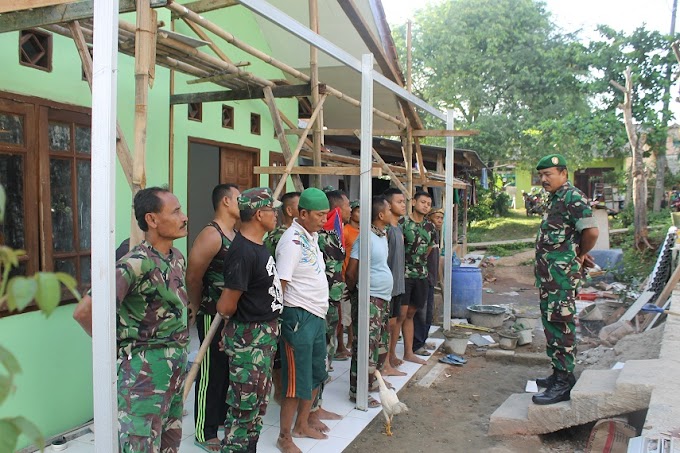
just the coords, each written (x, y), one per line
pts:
(253, 299)
(418, 242)
(350, 231)
(566, 235)
(395, 260)
(289, 211)
(151, 329)
(303, 323)
(205, 280)
(380, 295)
(424, 316)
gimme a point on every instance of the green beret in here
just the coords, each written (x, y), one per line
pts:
(551, 160)
(257, 198)
(313, 199)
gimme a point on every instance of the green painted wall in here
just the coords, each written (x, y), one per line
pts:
(241, 23)
(55, 388)
(523, 177)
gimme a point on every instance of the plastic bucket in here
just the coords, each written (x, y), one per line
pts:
(466, 289)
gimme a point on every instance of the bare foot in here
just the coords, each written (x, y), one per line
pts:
(323, 414)
(414, 358)
(316, 423)
(285, 444)
(389, 371)
(308, 431)
(396, 362)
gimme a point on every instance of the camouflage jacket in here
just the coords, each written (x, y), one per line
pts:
(334, 257)
(151, 300)
(559, 236)
(418, 238)
(213, 279)
(273, 238)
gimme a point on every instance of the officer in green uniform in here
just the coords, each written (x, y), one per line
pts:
(151, 329)
(252, 297)
(566, 235)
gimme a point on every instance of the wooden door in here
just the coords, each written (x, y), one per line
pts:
(236, 167)
(275, 160)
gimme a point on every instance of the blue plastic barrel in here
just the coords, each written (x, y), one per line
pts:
(466, 290)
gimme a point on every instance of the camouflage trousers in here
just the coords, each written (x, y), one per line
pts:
(150, 385)
(378, 337)
(332, 320)
(557, 313)
(251, 347)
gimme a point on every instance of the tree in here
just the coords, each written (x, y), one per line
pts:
(503, 67)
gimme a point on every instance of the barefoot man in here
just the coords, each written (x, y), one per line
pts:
(302, 271)
(418, 242)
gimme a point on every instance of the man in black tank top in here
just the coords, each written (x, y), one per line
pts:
(205, 279)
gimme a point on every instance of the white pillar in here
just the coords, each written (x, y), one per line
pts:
(365, 227)
(448, 223)
(103, 221)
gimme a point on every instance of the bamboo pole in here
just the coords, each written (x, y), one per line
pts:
(183, 12)
(387, 169)
(298, 148)
(408, 164)
(314, 74)
(421, 163)
(278, 127)
(122, 150)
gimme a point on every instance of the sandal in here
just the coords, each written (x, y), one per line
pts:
(374, 387)
(341, 357)
(422, 352)
(372, 402)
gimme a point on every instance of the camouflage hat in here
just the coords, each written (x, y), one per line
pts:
(436, 211)
(256, 198)
(551, 160)
(353, 204)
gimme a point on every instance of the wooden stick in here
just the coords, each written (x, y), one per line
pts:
(298, 148)
(386, 168)
(191, 376)
(122, 150)
(314, 74)
(278, 127)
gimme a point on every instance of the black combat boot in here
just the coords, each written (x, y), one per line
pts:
(560, 390)
(546, 382)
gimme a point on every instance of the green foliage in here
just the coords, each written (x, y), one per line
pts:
(515, 226)
(489, 204)
(638, 264)
(17, 292)
(508, 249)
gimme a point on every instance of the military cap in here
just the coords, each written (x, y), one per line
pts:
(353, 204)
(551, 160)
(436, 211)
(256, 198)
(313, 199)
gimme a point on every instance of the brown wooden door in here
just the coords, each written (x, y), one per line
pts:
(275, 160)
(236, 167)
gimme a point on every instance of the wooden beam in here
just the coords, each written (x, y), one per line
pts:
(18, 5)
(387, 169)
(349, 132)
(444, 133)
(204, 6)
(278, 127)
(317, 137)
(204, 36)
(421, 162)
(283, 91)
(122, 149)
(77, 10)
(311, 170)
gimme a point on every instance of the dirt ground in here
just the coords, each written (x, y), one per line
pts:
(453, 414)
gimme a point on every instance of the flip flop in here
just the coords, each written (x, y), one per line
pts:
(449, 361)
(372, 402)
(422, 352)
(457, 358)
(205, 446)
(341, 358)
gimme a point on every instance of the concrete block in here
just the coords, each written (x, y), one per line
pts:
(551, 418)
(594, 395)
(637, 380)
(511, 417)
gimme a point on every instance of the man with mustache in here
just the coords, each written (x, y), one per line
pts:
(566, 235)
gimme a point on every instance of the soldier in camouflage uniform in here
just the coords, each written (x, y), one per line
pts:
(380, 292)
(419, 238)
(566, 235)
(253, 299)
(151, 328)
(205, 279)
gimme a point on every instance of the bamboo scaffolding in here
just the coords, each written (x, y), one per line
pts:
(314, 75)
(185, 13)
(386, 168)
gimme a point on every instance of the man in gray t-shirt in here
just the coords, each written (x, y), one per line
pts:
(395, 260)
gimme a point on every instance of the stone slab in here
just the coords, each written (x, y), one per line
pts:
(512, 416)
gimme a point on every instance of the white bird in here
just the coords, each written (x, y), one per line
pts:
(391, 405)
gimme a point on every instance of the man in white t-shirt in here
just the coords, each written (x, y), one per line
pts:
(301, 268)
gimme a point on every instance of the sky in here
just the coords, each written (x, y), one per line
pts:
(572, 15)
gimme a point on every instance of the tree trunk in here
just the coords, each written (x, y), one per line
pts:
(661, 165)
(640, 193)
(629, 184)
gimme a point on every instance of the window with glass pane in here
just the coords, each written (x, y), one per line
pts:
(61, 177)
(11, 129)
(59, 136)
(12, 179)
